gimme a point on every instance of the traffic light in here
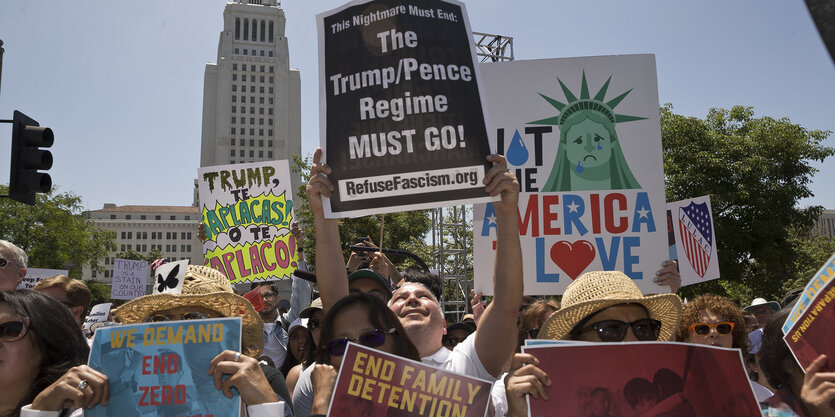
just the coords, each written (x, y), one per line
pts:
(28, 158)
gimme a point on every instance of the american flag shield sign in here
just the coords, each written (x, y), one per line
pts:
(696, 233)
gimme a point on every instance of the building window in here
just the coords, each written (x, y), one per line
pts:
(251, 121)
(168, 235)
(127, 217)
(188, 218)
(233, 132)
(252, 154)
(122, 248)
(262, 68)
(142, 217)
(252, 142)
(234, 99)
(233, 122)
(112, 217)
(262, 33)
(233, 141)
(157, 217)
(261, 90)
(260, 132)
(232, 152)
(262, 53)
(252, 68)
(270, 134)
(246, 32)
(270, 143)
(271, 100)
(237, 28)
(271, 52)
(234, 109)
(183, 235)
(235, 77)
(270, 111)
(243, 78)
(272, 68)
(234, 87)
(189, 233)
(260, 143)
(260, 154)
(124, 235)
(261, 121)
(107, 274)
(252, 99)
(235, 66)
(252, 89)
(252, 132)
(237, 51)
(271, 90)
(270, 122)
(173, 218)
(272, 26)
(261, 110)
(261, 79)
(269, 154)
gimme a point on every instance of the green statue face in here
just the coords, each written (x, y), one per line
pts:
(588, 145)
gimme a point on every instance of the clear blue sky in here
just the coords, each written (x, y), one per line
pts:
(121, 82)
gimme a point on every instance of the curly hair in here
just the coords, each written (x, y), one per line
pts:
(722, 307)
(54, 332)
(380, 316)
(532, 318)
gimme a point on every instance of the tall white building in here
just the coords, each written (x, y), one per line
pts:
(251, 97)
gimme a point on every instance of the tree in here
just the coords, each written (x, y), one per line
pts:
(755, 171)
(52, 232)
(131, 254)
(400, 227)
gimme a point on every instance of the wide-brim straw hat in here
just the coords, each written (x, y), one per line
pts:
(202, 287)
(597, 290)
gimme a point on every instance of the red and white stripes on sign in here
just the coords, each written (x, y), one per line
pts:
(697, 255)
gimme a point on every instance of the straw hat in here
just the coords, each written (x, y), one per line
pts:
(202, 287)
(597, 290)
(773, 305)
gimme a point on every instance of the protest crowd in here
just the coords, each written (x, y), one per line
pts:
(292, 354)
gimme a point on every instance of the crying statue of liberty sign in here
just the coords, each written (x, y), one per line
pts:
(583, 136)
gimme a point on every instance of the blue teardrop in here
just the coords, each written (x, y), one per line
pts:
(517, 152)
(580, 167)
(599, 147)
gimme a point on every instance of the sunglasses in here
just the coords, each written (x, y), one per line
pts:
(371, 338)
(267, 295)
(4, 262)
(615, 330)
(195, 315)
(451, 341)
(13, 328)
(313, 324)
(703, 329)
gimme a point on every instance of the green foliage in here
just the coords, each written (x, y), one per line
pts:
(100, 290)
(53, 233)
(400, 228)
(131, 254)
(755, 171)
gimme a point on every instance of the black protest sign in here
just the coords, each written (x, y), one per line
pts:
(403, 126)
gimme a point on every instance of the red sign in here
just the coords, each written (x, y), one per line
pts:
(374, 383)
(811, 335)
(643, 379)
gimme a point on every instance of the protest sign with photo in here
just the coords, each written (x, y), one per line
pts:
(98, 314)
(162, 368)
(247, 210)
(808, 329)
(375, 383)
(691, 223)
(36, 275)
(129, 278)
(401, 117)
(583, 136)
(643, 379)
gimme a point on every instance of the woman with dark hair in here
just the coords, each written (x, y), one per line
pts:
(532, 319)
(359, 318)
(809, 394)
(300, 349)
(39, 341)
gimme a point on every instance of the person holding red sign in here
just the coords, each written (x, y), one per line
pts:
(600, 306)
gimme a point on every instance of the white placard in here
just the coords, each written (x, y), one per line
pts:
(129, 277)
(35, 275)
(691, 221)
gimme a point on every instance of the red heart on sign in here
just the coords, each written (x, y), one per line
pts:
(572, 258)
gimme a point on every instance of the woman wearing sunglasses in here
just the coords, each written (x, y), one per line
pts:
(358, 318)
(713, 320)
(599, 306)
(39, 342)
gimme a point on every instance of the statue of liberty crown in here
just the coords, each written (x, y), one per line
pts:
(585, 103)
